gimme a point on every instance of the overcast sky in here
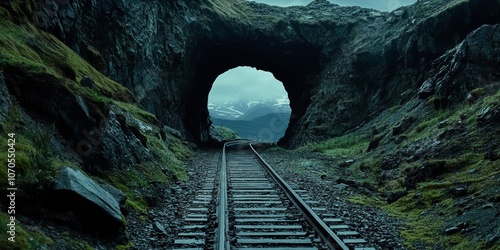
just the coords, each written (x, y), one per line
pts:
(383, 5)
(246, 83)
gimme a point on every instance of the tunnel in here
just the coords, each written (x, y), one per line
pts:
(295, 64)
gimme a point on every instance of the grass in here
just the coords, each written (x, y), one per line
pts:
(76, 243)
(166, 166)
(25, 239)
(137, 112)
(233, 9)
(348, 145)
(127, 181)
(224, 133)
(25, 46)
(169, 154)
(428, 209)
(177, 147)
(36, 164)
(127, 246)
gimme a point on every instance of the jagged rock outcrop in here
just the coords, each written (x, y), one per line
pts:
(339, 65)
(466, 70)
(91, 125)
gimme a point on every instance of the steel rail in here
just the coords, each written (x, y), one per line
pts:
(221, 234)
(329, 237)
(222, 242)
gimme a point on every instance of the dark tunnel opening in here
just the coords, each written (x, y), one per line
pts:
(294, 64)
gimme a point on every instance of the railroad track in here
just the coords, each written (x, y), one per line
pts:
(253, 208)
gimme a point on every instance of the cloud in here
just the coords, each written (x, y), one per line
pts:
(382, 5)
(245, 83)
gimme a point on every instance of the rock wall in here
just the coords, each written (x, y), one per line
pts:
(339, 65)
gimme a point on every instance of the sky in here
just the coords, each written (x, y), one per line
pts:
(382, 5)
(246, 83)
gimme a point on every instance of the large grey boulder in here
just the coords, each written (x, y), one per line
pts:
(95, 208)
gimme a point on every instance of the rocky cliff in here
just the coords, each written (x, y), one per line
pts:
(339, 65)
(124, 114)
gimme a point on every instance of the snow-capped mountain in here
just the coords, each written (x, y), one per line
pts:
(248, 110)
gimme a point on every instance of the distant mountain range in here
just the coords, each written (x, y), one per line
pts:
(248, 110)
(270, 127)
(257, 120)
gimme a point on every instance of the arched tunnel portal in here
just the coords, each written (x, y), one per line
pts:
(295, 64)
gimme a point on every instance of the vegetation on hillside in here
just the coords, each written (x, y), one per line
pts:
(27, 50)
(444, 166)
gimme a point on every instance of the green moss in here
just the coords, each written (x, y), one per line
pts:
(127, 246)
(76, 243)
(137, 112)
(38, 52)
(25, 239)
(371, 164)
(347, 145)
(168, 154)
(365, 200)
(478, 92)
(34, 158)
(178, 148)
(235, 9)
(223, 133)
(165, 167)
(137, 204)
(127, 181)
(491, 100)
(421, 233)
(13, 121)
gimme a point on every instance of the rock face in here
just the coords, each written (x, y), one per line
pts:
(339, 65)
(462, 71)
(96, 133)
(94, 207)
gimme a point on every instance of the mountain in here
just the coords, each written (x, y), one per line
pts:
(269, 127)
(248, 110)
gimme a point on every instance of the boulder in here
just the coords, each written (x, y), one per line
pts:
(95, 208)
(427, 89)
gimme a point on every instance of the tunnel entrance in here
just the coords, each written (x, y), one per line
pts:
(251, 103)
(295, 63)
